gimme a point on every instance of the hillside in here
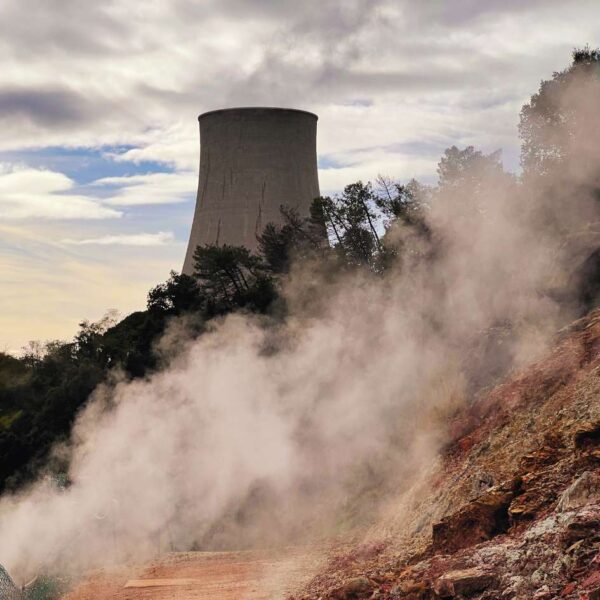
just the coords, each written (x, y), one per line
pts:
(512, 510)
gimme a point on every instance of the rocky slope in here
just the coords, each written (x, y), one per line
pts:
(511, 510)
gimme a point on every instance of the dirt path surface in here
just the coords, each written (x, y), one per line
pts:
(202, 575)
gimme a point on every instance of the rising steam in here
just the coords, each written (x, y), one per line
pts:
(259, 432)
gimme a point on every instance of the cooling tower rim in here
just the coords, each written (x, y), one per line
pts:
(242, 109)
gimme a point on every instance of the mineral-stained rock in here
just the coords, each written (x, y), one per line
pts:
(358, 587)
(462, 583)
(476, 522)
(580, 529)
(594, 594)
(569, 589)
(593, 581)
(587, 436)
(481, 483)
(580, 492)
(542, 427)
(539, 490)
(410, 587)
(543, 593)
(547, 454)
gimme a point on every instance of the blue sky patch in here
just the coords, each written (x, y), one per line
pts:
(84, 165)
(327, 161)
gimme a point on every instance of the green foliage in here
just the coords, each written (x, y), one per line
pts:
(7, 420)
(88, 341)
(351, 222)
(562, 117)
(407, 204)
(276, 245)
(295, 239)
(12, 371)
(405, 210)
(129, 344)
(468, 169)
(372, 228)
(179, 294)
(231, 277)
(42, 392)
(40, 410)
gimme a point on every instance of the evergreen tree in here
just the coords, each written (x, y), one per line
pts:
(230, 277)
(561, 120)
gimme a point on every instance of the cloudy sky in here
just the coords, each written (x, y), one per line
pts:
(99, 103)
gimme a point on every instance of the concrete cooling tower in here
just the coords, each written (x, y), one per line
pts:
(252, 161)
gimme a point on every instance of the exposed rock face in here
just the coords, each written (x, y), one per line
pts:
(478, 521)
(358, 587)
(462, 583)
(588, 437)
(580, 492)
(536, 534)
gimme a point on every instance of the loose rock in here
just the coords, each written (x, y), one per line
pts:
(359, 587)
(462, 583)
(580, 492)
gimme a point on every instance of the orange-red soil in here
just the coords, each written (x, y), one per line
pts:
(203, 575)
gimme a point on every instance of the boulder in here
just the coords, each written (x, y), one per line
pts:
(587, 436)
(463, 583)
(476, 522)
(410, 588)
(543, 593)
(353, 589)
(594, 594)
(580, 529)
(580, 492)
(547, 454)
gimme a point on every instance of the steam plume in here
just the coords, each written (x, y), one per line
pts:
(294, 417)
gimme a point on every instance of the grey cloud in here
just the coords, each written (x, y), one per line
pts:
(463, 12)
(46, 108)
(311, 54)
(235, 9)
(29, 28)
(336, 16)
(328, 82)
(350, 41)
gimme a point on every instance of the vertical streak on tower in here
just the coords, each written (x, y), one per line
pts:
(252, 161)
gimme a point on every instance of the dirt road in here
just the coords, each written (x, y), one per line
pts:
(202, 575)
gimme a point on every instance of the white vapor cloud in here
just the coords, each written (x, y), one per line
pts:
(135, 239)
(153, 188)
(36, 193)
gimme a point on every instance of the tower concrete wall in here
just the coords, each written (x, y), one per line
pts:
(252, 161)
